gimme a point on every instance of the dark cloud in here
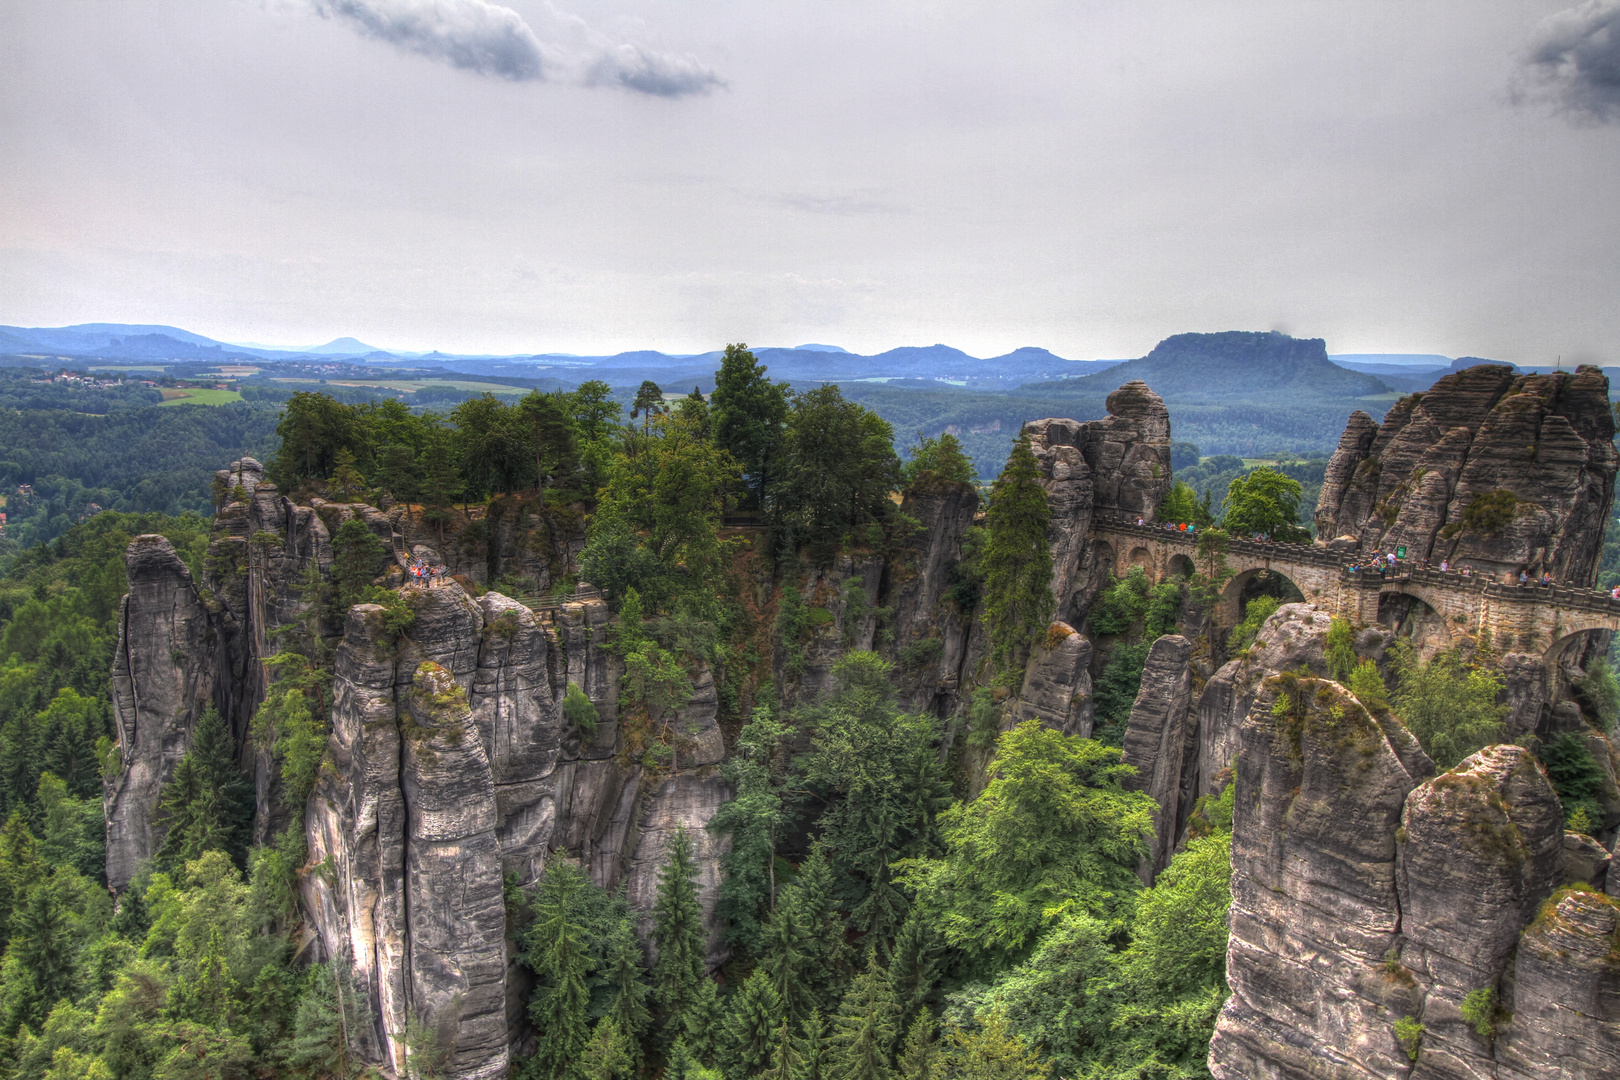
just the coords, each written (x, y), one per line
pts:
(494, 40)
(1575, 59)
(471, 34)
(663, 74)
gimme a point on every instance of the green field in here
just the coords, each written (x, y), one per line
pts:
(200, 397)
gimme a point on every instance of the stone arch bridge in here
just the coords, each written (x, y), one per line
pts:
(1532, 619)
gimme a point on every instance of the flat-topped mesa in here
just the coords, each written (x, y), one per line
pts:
(1504, 471)
(1117, 465)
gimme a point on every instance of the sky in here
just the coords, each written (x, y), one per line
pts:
(1089, 177)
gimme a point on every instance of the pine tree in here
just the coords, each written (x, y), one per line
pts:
(560, 1010)
(750, 1027)
(811, 1049)
(785, 1052)
(20, 867)
(347, 484)
(630, 991)
(865, 1030)
(208, 804)
(784, 956)
(920, 1050)
(679, 971)
(703, 1023)
(827, 956)
(914, 966)
(749, 412)
(1016, 559)
(607, 1056)
(19, 760)
(680, 1061)
(42, 946)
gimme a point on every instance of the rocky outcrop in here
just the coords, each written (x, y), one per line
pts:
(1156, 740)
(1057, 683)
(1501, 470)
(162, 680)
(1482, 848)
(1117, 465)
(926, 609)
(1320, 789)
(1566, 994)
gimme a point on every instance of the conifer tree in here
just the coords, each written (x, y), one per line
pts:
(811, 1049)
(914, 966)
(827, 954)
(785, 1052)
(1016, 559)
(42, 947)
(679, 971)
(680, 1061)
(208, 804)
(560, 1010)
(785, 949)
(701, 1027)
(866, 1028)
(607, 1056)
(624, 974)
(918, 1054)
(750, 1027)
(20, 867)
(749, 412)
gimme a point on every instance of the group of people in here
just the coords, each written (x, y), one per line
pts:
(1171, 526)
(422, 573)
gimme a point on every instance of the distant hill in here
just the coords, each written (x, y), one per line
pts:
(1235, 366)
(343, 346)
(1354, 361)
(819, 348)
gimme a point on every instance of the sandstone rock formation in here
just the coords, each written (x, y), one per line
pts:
(1117, 465)
(1057, 683)
(1503, 471)
(1156, 740)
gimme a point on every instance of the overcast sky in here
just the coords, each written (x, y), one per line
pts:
(1393, 176)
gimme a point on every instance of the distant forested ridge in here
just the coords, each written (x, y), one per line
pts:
(135, 459)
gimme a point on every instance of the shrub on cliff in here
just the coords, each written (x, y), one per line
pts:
(1449, 706)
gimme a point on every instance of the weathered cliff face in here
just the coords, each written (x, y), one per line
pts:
(920, 593)
(1503, 471)
(1366, 891)
(1057, 683)
(1314, 899)
(1156, 740)
(453, 764)
(1117, 465)
(162, 680)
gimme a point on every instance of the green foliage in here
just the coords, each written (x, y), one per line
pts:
(580, 712)
(1448, 705)
(1479, 1009)
(1409, 1033)
(936, 464)
(1130, 603)
(1265, 503)
(1115, 691)
(1489, 512)
(880, 769)
(1368, 685)
(995, 1051)
(1016, 560)
(753, 819)
(357, 558)
(680, 970)
(866, 1028)
(749, 412)
(1182, 506)
(1577, 777)
(1339, 649)
(1255, 614)
(837, 469)
(1598, 691)
(1053, 831)
(557, 951)
(207, 806)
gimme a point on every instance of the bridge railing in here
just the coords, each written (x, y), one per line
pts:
(554, 601)
(1551, 595)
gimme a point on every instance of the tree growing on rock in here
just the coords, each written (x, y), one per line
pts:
(681, 967)
(1016, 559)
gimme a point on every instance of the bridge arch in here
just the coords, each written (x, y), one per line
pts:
(1179, 566)
(1571, 644)
(1412, 615)
(1248, 584)
(1140, 556)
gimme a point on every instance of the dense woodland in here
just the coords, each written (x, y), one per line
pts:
(906, 896)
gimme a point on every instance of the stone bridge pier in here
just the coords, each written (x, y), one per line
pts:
(1532, 619)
